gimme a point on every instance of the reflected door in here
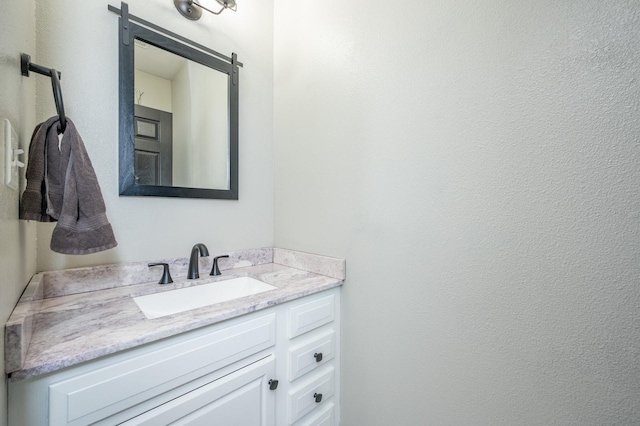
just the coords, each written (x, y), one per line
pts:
(153, 146)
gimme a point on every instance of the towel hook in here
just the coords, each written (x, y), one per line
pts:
(57, 96)
(26, 65)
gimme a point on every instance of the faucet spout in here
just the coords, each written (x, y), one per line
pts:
(194, 272)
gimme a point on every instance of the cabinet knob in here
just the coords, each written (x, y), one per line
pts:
(318, 356)
(318, 397)
(273, 384)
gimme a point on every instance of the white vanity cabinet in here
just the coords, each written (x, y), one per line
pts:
(222, 374)
(312, 369)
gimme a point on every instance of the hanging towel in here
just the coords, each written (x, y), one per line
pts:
(33, 205)
(62, 186)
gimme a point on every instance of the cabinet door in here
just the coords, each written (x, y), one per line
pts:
(241, 398)
(112, 387)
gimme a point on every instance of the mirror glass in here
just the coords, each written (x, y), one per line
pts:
(178, 118)
(181, 121)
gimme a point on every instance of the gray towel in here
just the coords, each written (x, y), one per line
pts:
(33, 205)
(62, 186)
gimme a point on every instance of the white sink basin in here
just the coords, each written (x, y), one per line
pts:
(174, 301)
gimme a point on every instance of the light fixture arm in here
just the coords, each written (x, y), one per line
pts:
(192, 9)
(234, 7)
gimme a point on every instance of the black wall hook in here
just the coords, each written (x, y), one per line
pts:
(26, 66)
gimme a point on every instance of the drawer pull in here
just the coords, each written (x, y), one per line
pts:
(318, 397)
(318, 356)
(273, 384)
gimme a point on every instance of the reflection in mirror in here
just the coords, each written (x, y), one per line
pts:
(181, 121)
(178, 116)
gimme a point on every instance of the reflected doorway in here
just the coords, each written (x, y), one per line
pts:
(153, 146)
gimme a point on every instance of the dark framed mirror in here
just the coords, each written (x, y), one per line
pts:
(178, 117)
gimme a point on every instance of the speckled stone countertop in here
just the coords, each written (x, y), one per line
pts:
(68, 317)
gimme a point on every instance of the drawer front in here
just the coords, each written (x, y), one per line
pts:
(93, 396)
(302, 399)
(304, 356)
(325, 417)
(307, 316)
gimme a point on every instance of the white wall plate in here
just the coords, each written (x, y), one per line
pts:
(11, 153)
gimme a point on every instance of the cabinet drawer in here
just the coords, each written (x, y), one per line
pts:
(325, 417)
(89, 397)
(303, 357)
(307, 316)
(302, 398)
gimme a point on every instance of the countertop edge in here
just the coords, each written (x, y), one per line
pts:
(19, 327)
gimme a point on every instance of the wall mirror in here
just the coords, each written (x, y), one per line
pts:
(178, 116)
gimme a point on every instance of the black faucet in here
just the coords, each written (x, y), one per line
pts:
(193, 272)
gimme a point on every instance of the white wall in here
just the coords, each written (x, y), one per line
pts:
(182, 153)
(155, 91)
(210, 122)
(85, 50)
(17, 103)
(477, 164)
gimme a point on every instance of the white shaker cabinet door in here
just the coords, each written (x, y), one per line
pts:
(241, 398)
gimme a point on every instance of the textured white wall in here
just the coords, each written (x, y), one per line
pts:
(17, 103)
(478, 165)
(80, 39)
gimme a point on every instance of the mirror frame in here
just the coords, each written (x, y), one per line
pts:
(127, 185)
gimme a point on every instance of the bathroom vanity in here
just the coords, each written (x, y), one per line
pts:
(272, 358)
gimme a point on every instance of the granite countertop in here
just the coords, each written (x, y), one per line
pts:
(68, 317)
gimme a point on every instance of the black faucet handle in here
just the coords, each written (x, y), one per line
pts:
(215, 270)
(166, 275)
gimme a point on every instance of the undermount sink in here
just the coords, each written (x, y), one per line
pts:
(184, 299)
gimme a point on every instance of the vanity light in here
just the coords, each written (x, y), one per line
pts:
(193, 10)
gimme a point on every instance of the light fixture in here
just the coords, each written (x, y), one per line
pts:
(193, 10)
